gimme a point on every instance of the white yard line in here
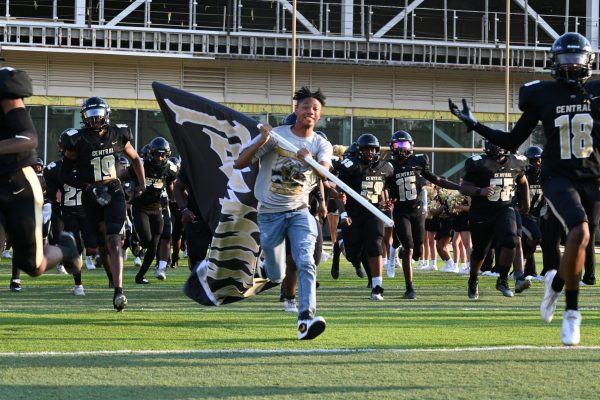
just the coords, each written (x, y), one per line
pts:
(292, 351)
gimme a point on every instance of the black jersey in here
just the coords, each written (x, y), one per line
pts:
(70, 196)
(96, 155)
(158, 178)
(572, 137)
(368, 181)
(406, 184)
(536, 195)
(484, 171)
(13, 162)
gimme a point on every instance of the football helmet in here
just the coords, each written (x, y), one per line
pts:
(571, 58)
(95, 113)
(494, 151)
(401, 145)
(350, 151)
(534, 155)
(124, 161)
(176, 161)
(159, 150)
(365, 142)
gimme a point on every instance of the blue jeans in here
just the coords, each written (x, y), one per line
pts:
(301, 229)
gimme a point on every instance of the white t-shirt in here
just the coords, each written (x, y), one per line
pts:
(284, 181)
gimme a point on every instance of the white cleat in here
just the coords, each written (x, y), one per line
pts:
(160, 274)
(60, 269)
(6, 254)
(89, 263)
(289, 305)
(449, 266)
(78, 290)
(570, 334)
(137, 262)
(391, 267)
(548, 305)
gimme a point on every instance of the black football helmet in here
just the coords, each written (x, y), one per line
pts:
(159, 150)
(571, 58)
(534, 155)
(351, 151)
(144, 151)
(95, 113)
(401, 145)
(364, 142)
(494, 151)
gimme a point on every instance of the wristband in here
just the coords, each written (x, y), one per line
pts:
(344, 215)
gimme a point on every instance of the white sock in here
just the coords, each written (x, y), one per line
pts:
(392, 253)
(162, 264)
(377, 281)
(384, 260)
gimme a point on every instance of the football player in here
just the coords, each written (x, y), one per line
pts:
(491, 179)
(567, 108)
(365, 173)
(405, 191)
(93, 152)
(21, 197)
(531, 221)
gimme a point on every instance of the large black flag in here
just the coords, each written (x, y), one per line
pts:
(209, 137)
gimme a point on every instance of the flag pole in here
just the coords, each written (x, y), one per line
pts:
(507, 67)
(293, 54)
(313, 163)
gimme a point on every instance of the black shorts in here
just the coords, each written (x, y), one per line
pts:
(21, 201)
(365, 234)
(75, 220)
(112, 214)
(460, 222)
(445, 229)
(499, 224)
(409, 229)
(432, 224)
(531, 227)
(573, 202)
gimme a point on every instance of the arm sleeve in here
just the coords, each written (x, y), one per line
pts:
(513, 139)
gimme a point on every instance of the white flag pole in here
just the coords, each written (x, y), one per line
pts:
(313, 163)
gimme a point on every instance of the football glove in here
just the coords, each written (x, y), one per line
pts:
(465, 115)
(99, 193)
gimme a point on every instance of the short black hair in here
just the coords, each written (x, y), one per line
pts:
(305, 93)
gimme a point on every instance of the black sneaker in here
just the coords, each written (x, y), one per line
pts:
(473, 288)
(141, 281)
(377, 293)
(522, 285)
(310, 328)
(71, 257)
(15, 286)
(589, 280)
(410, 295)
(502, 286)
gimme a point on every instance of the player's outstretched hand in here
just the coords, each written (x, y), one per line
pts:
(465, 115)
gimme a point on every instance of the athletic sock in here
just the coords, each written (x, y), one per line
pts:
(572, 297)
(557, 283)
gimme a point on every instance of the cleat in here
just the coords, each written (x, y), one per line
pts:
(120, 302)
(570, 333)
(71, 257)
(310, 328)
(89, 263)
(6, 254)
(432, 266)
(588, 281)
(410, 295)
(377, 293)
(15, 285)
(335, 271)
(160, 274)
(289, 305)
(502, 286)
(548, 305)
(391, 267)
(137, 262)
(78, 290)
(174, 261)
(473, 288)
(60, 269)
(141, 281)
(449, 266)
(522, 285)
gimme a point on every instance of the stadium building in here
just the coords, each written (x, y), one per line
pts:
(384, 65)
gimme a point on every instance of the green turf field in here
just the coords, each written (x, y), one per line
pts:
(54, 345)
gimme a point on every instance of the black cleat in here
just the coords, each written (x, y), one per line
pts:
(473, 288)
(335, 271)
(589, 280)
(141, 281)
(15, 286)
(119, 302)
(522, 285)
(502, 286)
(410, 295)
